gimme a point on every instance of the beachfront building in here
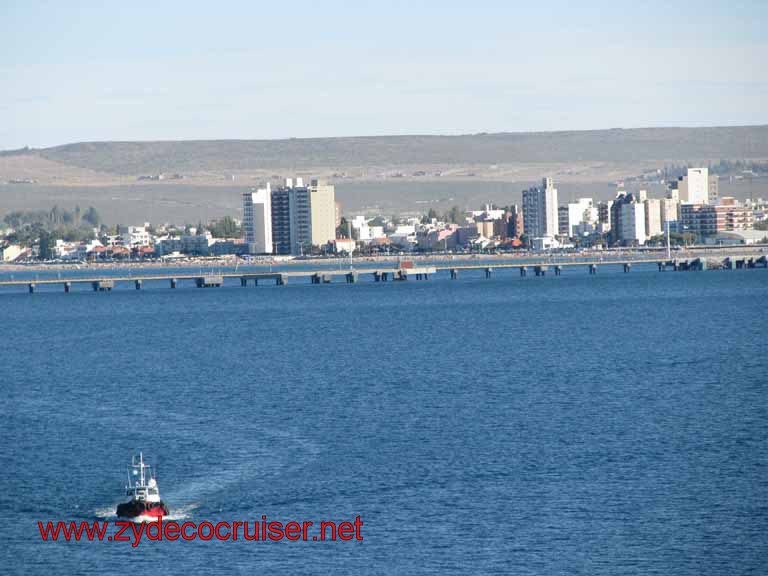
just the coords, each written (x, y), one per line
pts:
(303, 217)
(134, 236)
(257, 220)
(697, 187)
(577, 218)
(633, 223)
(652, 217)
(706, 220)
(540, 217)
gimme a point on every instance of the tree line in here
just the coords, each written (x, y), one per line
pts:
(46, 226)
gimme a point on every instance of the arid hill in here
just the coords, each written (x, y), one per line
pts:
(615, 146)
(380, 174)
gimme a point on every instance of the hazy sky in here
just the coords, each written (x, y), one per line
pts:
(77, 71)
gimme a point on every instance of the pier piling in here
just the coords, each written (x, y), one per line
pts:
(706, 261)
(102, 285)
(212, 281)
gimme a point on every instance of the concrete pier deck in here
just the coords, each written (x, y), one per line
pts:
(397, 273)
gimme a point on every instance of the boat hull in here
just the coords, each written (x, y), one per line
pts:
(136, 509)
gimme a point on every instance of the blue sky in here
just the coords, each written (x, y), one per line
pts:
(81, 71)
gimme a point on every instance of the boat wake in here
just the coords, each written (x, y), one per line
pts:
(183, 512)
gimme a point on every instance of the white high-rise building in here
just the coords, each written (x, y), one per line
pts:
(633, 223)
(694, 187)
(540, 210)
(652, 217)
(323, 212)
(579, 213)
(257, 220)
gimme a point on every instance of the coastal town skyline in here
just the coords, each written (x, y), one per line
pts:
(296, 219)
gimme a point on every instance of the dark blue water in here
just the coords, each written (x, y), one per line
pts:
(615, 424)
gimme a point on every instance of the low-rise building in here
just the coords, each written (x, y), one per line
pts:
(189, 245)
(11, 252)
(443, 239)
(707, 220)
(343, 245)
(133, 236)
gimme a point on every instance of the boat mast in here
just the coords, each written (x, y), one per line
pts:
(141, 467)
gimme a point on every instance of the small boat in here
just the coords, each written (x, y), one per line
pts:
(145, 504)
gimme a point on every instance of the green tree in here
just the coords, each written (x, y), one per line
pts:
(45, 245)
(455, 215)
(432, 214)
(342, 230)
(225, 227)
(92, 217)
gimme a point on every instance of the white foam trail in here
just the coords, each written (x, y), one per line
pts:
(177, 513)
(107, 512)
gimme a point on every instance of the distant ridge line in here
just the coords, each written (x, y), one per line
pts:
(613, 145)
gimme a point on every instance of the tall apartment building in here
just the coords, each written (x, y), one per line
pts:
(257, 220)
(714, 189)
(627, 214)
(302, 216)
(563, 223)
(652, 217)
(515, 223)
(578, 217)
(540, 216)
(633, 223)
(670, 212)
(697, 187)
(281, 220)
(604, 219)
(322, 204)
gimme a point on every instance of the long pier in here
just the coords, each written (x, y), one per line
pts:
(397, 273)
